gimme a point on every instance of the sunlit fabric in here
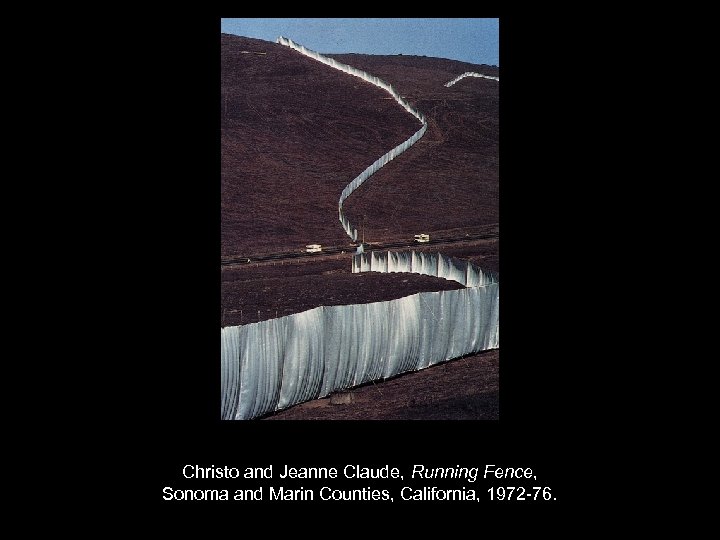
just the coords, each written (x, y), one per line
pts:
(271, 365)
(425, 263)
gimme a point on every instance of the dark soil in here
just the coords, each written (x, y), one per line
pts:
(304, 287)
(259, 292)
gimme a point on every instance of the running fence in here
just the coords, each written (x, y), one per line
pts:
(274, 364)
(382, 160)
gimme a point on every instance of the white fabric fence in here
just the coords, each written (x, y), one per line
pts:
(471, 74)
(419, 262)
(273, 364)
(384, 159)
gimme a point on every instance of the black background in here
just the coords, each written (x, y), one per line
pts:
(163, 165)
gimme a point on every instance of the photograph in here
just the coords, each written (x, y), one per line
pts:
(359, 219)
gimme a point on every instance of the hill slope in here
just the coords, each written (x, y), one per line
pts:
(294, 133)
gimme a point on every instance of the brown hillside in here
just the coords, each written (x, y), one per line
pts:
(294, 133)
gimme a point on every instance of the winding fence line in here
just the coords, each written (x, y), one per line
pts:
(471, 74)
(385, 158)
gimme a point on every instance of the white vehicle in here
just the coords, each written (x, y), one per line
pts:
(313, 248)
(422, 238)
